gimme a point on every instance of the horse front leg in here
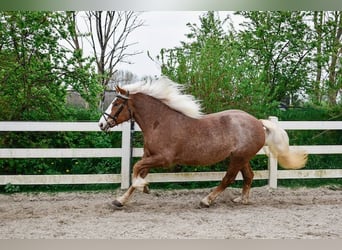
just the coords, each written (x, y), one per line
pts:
(139, 182)
(141, 169)
(122, 200)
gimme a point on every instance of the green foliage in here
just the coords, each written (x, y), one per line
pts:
(35, 69)
(276, 56)
(327, 85)
(215, 70)
(9, 188)
(277, 41)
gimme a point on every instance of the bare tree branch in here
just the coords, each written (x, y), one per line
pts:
(109, 41)
(109, 32)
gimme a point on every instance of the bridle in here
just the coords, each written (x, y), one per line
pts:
(114, 117)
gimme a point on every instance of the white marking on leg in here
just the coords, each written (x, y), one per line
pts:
(241, 199)
(139, 183)
(237, 199)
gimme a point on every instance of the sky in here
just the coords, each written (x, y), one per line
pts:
(162, 29)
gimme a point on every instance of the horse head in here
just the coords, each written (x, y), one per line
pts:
(117, 112)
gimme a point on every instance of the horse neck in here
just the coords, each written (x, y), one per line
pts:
(147, 110)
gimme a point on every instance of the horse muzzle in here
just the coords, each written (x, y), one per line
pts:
(106, 126)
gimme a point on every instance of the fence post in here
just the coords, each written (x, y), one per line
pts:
(272, 163)
(126, 155)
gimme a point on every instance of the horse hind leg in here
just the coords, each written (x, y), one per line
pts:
(247, 174)
(229, 178)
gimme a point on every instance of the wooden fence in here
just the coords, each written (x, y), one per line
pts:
(125, 152)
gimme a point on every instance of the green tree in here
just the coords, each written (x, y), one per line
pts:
(216, 70)
(35, 70)
(328, 63)
(84, 78)
(279, 44)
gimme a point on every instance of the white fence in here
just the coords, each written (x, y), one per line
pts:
(272, 174)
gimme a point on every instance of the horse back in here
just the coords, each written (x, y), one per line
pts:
(241, 129)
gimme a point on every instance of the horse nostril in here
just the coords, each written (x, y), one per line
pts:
(101, 125)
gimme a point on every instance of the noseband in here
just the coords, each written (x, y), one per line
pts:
(118, 112)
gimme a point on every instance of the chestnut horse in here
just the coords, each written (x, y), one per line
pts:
(176, 132)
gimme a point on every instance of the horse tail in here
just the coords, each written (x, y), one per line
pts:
(277, 141)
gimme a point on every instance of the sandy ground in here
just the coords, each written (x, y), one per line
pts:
(272, 214)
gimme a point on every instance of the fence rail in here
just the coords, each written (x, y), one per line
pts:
(272, 174)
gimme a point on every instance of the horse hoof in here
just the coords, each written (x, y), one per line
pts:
(203, 205)
(117, 204)
(237, 200)
(146, 190)
(241, 200)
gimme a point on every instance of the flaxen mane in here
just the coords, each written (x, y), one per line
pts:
(170, 93)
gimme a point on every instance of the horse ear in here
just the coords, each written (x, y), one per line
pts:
(120, 90)
(117, 89)
(123, 94)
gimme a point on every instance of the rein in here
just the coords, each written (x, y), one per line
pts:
(118, 112)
